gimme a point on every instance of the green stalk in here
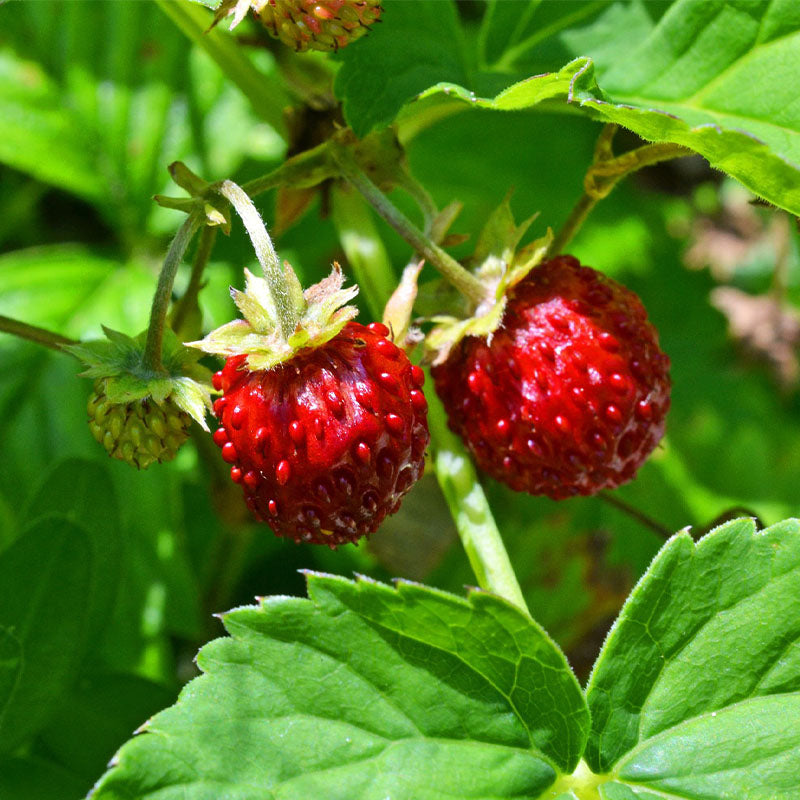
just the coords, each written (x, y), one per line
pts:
(605, 173)
(471, 511)
(151, 358)
(188, 302)
(32, 333)
(265, 93)
(365, 252)
(464, 281)
(265, 252)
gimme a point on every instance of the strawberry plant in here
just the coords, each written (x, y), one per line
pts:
(558, 500)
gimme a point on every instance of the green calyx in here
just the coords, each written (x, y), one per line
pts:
(140, 415)
(499, 266)
(320, 310)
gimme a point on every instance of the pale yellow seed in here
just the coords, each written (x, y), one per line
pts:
(116, 424)
(158, 424)
(109, 441)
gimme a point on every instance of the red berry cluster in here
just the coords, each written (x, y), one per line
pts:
(568, 396)
(326, 444)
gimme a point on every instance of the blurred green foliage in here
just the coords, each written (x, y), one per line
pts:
(124, 570)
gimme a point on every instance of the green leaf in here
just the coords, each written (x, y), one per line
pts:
(712, 75)
(41, 137)
(96, 717)
(36, 779)
(416, 45)
(706, 648)
(46, 570)
(10, 668)
(82, 491)
(364, 691)
(96, 98)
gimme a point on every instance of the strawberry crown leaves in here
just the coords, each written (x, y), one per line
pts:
(117, 360)
(499, 266)
(322, 312)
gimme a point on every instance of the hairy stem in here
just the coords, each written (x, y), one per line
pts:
(464, 281)
(34, 334)
(471, 512)
(605, 173)
(265, 252)
(158, 312)
(189, 300)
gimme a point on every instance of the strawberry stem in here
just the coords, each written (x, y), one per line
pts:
(151, 358)
(34, 334)
(188, 302)
(265, 252)
(464, 281)
(471, 512)
(605, 173)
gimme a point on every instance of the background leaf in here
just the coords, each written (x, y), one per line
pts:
(711, 75)
(48, 566)
(416, 44)
(83, 493)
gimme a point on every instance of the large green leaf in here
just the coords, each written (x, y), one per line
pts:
(697, 690)
(364, 691)
(82, 491)
(711, 75)
(44, 582)
(417, 44)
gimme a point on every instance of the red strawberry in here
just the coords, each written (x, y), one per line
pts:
(326, 443)
(568, 396)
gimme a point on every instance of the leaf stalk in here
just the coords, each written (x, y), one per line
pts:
(464, 281)
(151, 358)
(605, 173)
(33, 333)
(265, 252)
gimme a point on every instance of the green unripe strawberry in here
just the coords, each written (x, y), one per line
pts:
(139, 414)
(140, 432)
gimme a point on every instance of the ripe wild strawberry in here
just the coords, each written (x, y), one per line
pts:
(326, 444)
(568, 394)
(327, 434)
